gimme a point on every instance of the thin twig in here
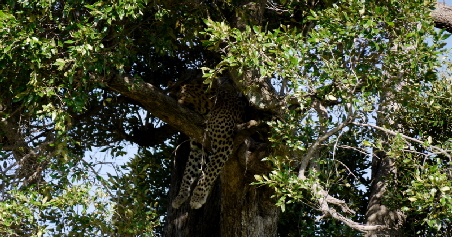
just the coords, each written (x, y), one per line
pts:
(441, 151)
(97, 174)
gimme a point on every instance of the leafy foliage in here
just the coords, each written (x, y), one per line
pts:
(141, 192)
(57, 56)
(356, 52)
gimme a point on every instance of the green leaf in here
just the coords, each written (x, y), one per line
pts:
(258, 177)
(445, 188)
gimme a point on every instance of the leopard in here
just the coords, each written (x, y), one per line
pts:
(223, 109)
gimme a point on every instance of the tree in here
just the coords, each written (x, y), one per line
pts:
(334, 88)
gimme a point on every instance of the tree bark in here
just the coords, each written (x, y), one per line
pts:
(158, 103)
(383, 167)
(442, 16)
(234, 207)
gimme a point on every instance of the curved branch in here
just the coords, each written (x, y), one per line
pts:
(318, 191)
(315, 146)
(327, 211)
(154, 100)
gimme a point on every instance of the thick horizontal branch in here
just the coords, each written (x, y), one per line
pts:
(442, 16)
(154, 100)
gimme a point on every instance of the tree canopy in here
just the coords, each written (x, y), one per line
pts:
(348, 124)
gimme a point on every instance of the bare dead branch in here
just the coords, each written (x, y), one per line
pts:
(327, 211)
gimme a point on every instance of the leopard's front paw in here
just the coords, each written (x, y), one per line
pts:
(180, 199)
(199, 198)
(195, 205)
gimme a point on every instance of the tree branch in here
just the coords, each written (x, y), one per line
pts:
(154, 100)
(314, 147)
(442, 16)
(440, 150)
(318, 191)
(327, 211)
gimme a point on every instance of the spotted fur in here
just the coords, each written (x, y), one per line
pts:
(224, 110)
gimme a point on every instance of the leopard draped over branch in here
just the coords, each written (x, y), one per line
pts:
(224, 110)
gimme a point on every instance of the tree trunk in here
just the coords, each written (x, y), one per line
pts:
(234, 208)
(382, 168)
(377, 212)
(185, 221)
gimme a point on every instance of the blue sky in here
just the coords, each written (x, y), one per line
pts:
(132, 150)
(108, 162)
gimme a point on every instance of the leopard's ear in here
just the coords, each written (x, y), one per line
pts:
(174, 87)
(170, 89)
(226, 84)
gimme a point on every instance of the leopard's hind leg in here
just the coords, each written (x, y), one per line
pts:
(191, 173)
(221, 150)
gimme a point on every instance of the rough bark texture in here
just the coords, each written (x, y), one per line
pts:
(383, 167)
(442, 16)
(246, 210)
(234, 208)
(377, 212)
(158, 103)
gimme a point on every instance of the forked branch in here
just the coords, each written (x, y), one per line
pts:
(323, 197)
